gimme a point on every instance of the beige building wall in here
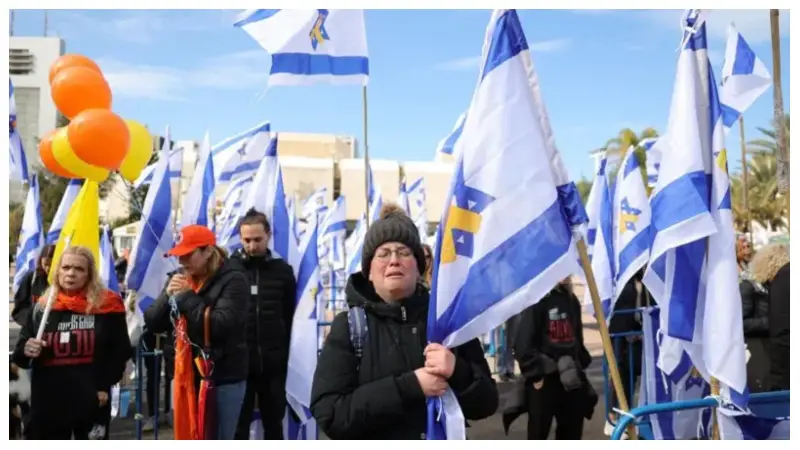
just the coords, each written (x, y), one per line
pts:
(302, 176)
(437, 184)
(387, 178)
(329, 146)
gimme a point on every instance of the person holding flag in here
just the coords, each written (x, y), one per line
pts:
(81, 354)
(377, 368)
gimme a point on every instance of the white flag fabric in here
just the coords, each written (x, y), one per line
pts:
(417, 203)
(106, 264)
(148, 266)
(17, 160)
(600, 237)
(303, 348)
(447, 144)
(198, 205)
(311, 45)
(70, 195)
(31, 235)
(269, 198)
(745, 78)
(632, 232)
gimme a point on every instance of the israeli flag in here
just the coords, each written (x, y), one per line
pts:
(334, 233)
(374, 197)
(31, 236)
(417, 203)
(657, 388)
(402, 198)
(198, 203)
(632, 233)
(175, 162)
(484, 271)
(17, 160)
(269, 198)
(600, 237)
(652, 160)
(303, 347)
(753, 427)
(311, 45)
(227, 229)
(693, 230)
(107, 273)
(239, 156)
(745, 78)
(315, 208)
(355, 245)
(148, 266)
(447, 144)
(70, 195)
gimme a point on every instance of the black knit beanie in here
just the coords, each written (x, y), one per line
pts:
(394, 225)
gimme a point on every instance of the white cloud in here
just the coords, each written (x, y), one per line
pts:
(473, 62)
(140, 26)
(753, 24)
(240, 70)
(550, 46)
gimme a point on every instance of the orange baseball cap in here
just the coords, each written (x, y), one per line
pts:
(193, 237)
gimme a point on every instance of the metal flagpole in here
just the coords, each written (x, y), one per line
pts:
(745, 184)
(366, 154)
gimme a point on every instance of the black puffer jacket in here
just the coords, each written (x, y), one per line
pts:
(383, 399)
(226, 292)
(755, 309)
(270, 312)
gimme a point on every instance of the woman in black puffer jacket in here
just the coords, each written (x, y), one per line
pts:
(381, 393)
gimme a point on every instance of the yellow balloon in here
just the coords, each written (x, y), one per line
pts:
(139, 152)
(65, 156)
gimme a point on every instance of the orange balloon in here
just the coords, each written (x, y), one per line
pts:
(72, 60)
(99, 137)
(75, 89)
(48, 160)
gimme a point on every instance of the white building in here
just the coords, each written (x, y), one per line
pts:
(29, 60)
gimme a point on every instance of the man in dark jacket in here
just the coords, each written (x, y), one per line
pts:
(269, 325)
(381, 394)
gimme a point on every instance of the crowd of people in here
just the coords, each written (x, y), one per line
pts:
(372, 379)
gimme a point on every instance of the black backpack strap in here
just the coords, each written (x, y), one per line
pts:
(357, 320)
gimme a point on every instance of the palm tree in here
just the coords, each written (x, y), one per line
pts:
(766, 208)
(769, 142)
(626, 139)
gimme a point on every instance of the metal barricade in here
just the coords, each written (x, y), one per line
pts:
(757, 402)
(618, 340)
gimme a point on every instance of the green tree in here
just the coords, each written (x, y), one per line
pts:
(624, 141)
(768, 143)
(584, 186)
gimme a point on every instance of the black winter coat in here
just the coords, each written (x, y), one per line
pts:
(779, 329)
(226, 292)
(382, 399)
(31, 287)
(270, 312)
(755, 324)
(547, 331)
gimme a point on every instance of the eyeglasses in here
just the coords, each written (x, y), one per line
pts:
(385, 254)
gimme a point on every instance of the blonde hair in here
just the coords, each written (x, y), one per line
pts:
(768, 261)
(94, 287)
(215, 261)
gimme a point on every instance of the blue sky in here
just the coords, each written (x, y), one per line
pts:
(600, 71)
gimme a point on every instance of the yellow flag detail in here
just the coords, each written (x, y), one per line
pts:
(82, 227)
